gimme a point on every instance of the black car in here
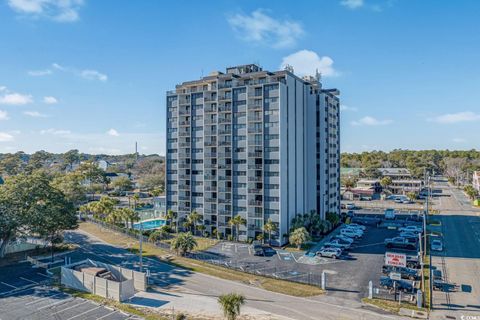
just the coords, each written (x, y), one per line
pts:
(406, 273)
(402, 285)
(258, 250)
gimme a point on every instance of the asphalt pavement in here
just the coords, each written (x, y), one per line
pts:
(171, 280)
(460, 260)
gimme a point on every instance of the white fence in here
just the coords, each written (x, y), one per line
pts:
(128, 281)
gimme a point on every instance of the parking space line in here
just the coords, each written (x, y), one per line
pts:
(81, 314)
(108, 314)
(29, 280)
(43, 275)
(56, 303)
(75, 305)
(44, 298)
(9, 285)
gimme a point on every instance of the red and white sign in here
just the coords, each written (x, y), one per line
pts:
(395, 259)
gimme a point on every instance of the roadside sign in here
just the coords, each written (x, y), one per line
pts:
(395, 276)
(395, 259)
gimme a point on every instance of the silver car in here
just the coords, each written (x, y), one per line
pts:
(333, 253)
(437, 245)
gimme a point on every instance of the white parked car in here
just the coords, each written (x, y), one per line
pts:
(333, 253)
(335, 243)
(354, 234)
(344, 238)
(348, 227)
(356, 225)
(414, 229)
(437, 245)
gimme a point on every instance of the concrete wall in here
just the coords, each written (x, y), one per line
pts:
(115, 290)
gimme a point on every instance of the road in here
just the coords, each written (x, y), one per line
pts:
(460, 261)
(174, 281)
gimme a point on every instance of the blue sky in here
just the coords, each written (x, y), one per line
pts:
(92, 75)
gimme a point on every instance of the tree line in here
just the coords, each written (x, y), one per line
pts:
(450, 163)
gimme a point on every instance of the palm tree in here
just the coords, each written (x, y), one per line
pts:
(231, 304)
(299, 236)
(183, 243)
(270, 227)
(172, 215)
(158, 235)
(385, 182)
(193, 218)
(130, 216)
(235, 222)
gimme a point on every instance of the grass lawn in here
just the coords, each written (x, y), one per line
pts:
(391, 306)
(149, 250)
(293, 248)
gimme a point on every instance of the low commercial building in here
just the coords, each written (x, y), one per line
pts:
(396, 173)
(476, 180)
(406, 186)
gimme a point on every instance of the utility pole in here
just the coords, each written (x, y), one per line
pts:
(140, 247)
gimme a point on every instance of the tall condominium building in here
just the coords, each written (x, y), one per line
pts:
(259, 144)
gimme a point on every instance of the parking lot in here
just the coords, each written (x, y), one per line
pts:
(25, 294)
(347, 276)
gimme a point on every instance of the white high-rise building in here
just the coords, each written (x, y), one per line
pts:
(263, 145)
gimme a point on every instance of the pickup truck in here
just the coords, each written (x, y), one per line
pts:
(406, 273)
(399, 242)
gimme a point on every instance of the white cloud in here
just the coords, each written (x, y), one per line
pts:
(262, 29)
(4, 115)
(5, 137)
(459, 140)
(93, 75)
(35, 114)
(347, 108)
(56, 131)
(39, 73)
(370, 121)
(113, 133)
(50, 100)
(57, 10)
(352, 4)
(449, 118)
(306, 62)
(13, 98)
(88, 74)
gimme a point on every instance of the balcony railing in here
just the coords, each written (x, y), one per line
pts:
(255, 203)
(255, 154)
(255, 191)
(255, 179)
(224, 131)
(255, 166)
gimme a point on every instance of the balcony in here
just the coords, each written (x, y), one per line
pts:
(210, 155)
(210, 177)
(210, 188)
(224, 120)
(184, 187)
(184, 198)
(255, 130)
(184, 123)
(226, 201)
(225, 143)
(184, 133)
(210, 143)
(255, 119)
(184, 144)
(210, 110)
(210, 165)
(255, 154)
(255, 166)
(255, 203)
(226, 190)
(255, 191)
(184, 176)
(255, 179)
(225, 109)
(224, 132)
(210, 132)
(211, 200)
(184, 165)
(255, 107)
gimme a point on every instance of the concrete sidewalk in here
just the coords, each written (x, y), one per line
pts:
(194, 304)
